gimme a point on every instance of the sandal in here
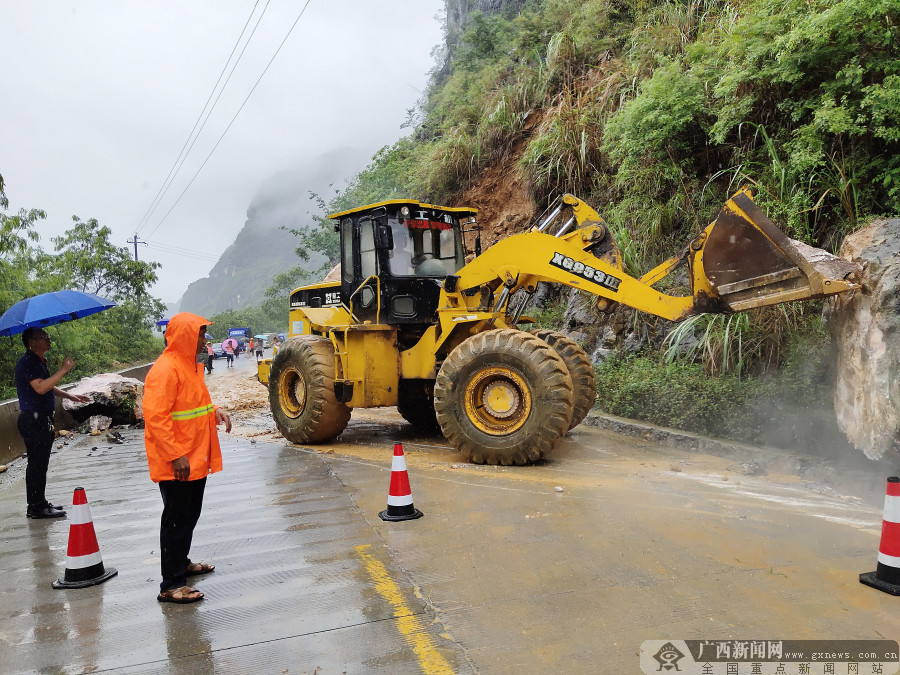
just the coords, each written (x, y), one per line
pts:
(180, 596)
(194, 569)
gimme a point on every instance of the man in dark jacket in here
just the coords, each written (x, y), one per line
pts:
(37, 391)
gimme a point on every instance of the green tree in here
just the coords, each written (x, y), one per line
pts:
(86, 260)
(93, 264)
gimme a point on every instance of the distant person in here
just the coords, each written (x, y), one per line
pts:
(203, 359)
(275, 343)
(37, 391)
(210, 355)
(260, 345)
(182, 445)
(229, 353)
(250, 346)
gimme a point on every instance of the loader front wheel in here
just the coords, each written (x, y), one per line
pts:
(581, 371)
(301, 391)
(503, 397)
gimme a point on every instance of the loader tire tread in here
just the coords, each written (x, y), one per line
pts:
(547, 377)
(581, 370)
(323, 418)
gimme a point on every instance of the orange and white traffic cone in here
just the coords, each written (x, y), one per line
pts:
(400, 502)
(887, 575)
(84, 566)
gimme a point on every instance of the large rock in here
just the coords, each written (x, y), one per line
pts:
(113, 396)
(866, 328)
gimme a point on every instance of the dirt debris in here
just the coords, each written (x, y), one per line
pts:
(501, 195)
(247, 401)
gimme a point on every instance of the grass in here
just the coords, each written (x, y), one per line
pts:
(788, 408)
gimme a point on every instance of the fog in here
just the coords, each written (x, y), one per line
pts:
(99, 97)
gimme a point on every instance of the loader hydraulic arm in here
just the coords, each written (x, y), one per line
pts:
(738, 262)
(525, 259)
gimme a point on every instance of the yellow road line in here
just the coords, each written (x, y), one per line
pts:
(409, 626)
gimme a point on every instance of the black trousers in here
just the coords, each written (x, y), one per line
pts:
(36, 429)
(182, 503)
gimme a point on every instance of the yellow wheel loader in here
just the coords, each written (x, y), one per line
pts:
(410, 324)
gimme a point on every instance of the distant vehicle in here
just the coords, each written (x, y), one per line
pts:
(242, 336)
(218, 350)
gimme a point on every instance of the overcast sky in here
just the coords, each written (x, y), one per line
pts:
(98, 98)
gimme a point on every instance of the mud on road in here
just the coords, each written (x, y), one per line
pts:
(238, 391)
(563, 566)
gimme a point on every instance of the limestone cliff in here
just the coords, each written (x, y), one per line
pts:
(866, 329)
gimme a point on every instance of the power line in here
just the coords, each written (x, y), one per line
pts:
(199, 255)
(161, 244)
(170, 176)
(221, 91)
(265, 70)
(187, 252)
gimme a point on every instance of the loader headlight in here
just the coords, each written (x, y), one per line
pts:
(404, 212)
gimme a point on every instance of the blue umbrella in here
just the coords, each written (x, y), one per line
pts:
(162, 322)
(49, 309)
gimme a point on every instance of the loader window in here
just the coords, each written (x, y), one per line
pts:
(347, 249)
(404, 249)
(446, 246)
(367, 248)
(426, 246)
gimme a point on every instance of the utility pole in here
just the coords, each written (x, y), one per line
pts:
(136, 241)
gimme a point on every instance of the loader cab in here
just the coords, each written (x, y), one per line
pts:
(395, 256)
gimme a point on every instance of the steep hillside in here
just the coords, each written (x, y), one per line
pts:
(263, 249)
(245, 270)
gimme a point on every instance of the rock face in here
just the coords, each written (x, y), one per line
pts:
(866, 328)
(113, 396)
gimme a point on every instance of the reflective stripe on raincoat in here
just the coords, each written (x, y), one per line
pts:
(179, 417)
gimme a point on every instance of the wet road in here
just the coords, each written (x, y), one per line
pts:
(563, 567)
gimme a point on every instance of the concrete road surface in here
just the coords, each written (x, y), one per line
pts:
(565, 567)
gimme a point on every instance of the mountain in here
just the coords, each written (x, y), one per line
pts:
(262, 249)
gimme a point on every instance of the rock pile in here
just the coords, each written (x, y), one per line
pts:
(866, 328)
(112, 396)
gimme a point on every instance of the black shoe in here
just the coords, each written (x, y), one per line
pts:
(55, 508)
(45, 512)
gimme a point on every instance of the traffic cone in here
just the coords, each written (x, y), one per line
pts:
(400, 503)
(887, 575)
(84, 566)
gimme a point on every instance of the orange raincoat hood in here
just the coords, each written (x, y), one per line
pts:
(182, 335)
(179, 418)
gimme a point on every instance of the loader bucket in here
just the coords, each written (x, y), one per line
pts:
(749, 262)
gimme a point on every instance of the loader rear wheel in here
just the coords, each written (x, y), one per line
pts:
(301, 391)
(415, 403)
(581, 371)
(503, 397)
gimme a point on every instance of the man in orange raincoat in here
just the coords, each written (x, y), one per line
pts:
(182, 449)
